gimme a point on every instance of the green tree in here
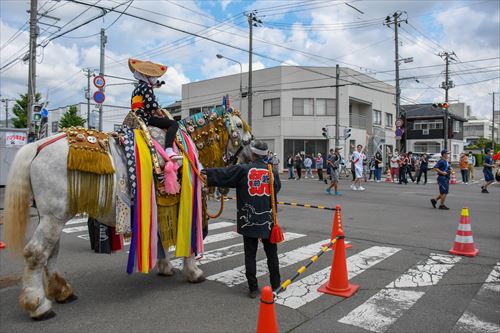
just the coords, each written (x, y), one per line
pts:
(20, 109)
(71, 118)
(483, 143)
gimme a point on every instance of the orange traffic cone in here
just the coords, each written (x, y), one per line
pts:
(464, 243)
(267, 316)
(337, 224)
(388, 179)
(2, 245)
(453, 179)
(338, 284)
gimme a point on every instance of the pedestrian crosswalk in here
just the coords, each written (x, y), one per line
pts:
(375, 311)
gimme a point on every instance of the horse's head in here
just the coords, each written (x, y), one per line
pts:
(221, 136)
(240, 136)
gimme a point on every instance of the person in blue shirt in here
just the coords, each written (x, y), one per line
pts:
(487, 170)
(442, 168)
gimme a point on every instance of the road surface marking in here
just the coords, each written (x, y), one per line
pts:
(306, 290)
(236, 275)
(77, 220)
(228, 251)
(75, 229)
(385, 307)
(471, 319)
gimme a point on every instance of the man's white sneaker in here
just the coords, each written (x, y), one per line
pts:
(361, 188)
(353, 187)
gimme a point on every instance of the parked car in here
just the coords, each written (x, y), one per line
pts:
(433, 159)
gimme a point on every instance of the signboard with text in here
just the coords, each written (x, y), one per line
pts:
(15, 138)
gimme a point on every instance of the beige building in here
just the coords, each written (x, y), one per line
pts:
(292, 104)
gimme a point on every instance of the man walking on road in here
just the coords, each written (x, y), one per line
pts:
(334, 163)
(442, 168)
(358, 157)
(255, 218)
(487, 170)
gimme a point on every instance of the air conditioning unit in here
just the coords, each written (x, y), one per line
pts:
(425, 131)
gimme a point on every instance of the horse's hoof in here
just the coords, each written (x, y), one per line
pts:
(199, 280)
(44, 316)
(166, 274)
(69, 299)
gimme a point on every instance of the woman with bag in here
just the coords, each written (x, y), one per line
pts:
(256, 212)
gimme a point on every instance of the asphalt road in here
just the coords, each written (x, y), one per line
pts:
(440, 293)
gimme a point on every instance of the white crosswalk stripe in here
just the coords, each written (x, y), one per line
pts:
(471, 320)
(75, 229)
(381, 310)
(237, 275)
(229, 251)
(306, 290)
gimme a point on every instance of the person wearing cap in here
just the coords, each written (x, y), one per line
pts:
(319, 167)
(254, 216)
(442, 168)
(144, 102)
(487, 170)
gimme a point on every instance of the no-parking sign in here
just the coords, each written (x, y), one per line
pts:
(99, 82)
(99, 97)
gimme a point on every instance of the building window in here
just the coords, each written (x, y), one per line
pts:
(427, 124)
(388, 120)
(427, 147)
(272, 107)
(55, 126)
(456, 127)
(303, 107)
(194, 111)
(307, 147)
(377, 117)
(325, 107)
(117, 127)
(455, 152)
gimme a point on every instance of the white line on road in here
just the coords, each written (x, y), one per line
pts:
(229, 251)
(306, 289)
(236, 275)
(385, 307)
(471, 320)
(75, 229)
(77, 221)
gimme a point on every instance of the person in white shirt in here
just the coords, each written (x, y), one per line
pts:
(358, 158)
(308, 164)
(395, 166)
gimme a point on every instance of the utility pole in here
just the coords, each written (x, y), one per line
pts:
(104, 40)
(493, 125)
(446, 85)
(337, 105)
(32, 67)
(87, 95)
(396, 21)
(6, 101)
(253, 21)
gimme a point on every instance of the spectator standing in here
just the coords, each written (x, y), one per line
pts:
(442, 168)
(487, 170)
(410, 165)
(394, 163)
(298, 165)
(378, 166)
(289, 165)
(464, 168)
(471, 165)
(371, 167)
(334, 162)
(319, 167)
(418, 160)
(276, 163)
(403, 165)
(308, 165)
(358, 159)
(424, 165)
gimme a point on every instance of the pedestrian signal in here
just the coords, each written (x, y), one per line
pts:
(325, 132)
(37, 112)
(347, 133)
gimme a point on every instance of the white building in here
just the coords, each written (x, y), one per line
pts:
(292, 104)
(479, 128)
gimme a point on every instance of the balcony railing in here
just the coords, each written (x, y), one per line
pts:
(357, 121)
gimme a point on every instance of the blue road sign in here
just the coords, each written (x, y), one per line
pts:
(44, 113)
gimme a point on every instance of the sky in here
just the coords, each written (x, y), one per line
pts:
(303, 33)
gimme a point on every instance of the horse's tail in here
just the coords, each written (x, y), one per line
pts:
(17, 198)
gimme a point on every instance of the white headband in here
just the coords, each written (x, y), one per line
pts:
(257, 151)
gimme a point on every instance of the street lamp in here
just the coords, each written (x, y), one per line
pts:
(220, 56)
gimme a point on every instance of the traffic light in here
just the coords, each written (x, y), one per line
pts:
(440, 105)
(37, 109)
(347, 133)
(325, 132)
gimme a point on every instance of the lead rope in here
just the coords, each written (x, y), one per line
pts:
(271, 185)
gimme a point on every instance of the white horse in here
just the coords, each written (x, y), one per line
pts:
(43, 176)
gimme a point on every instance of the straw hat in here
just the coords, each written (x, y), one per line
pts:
(147, 68)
